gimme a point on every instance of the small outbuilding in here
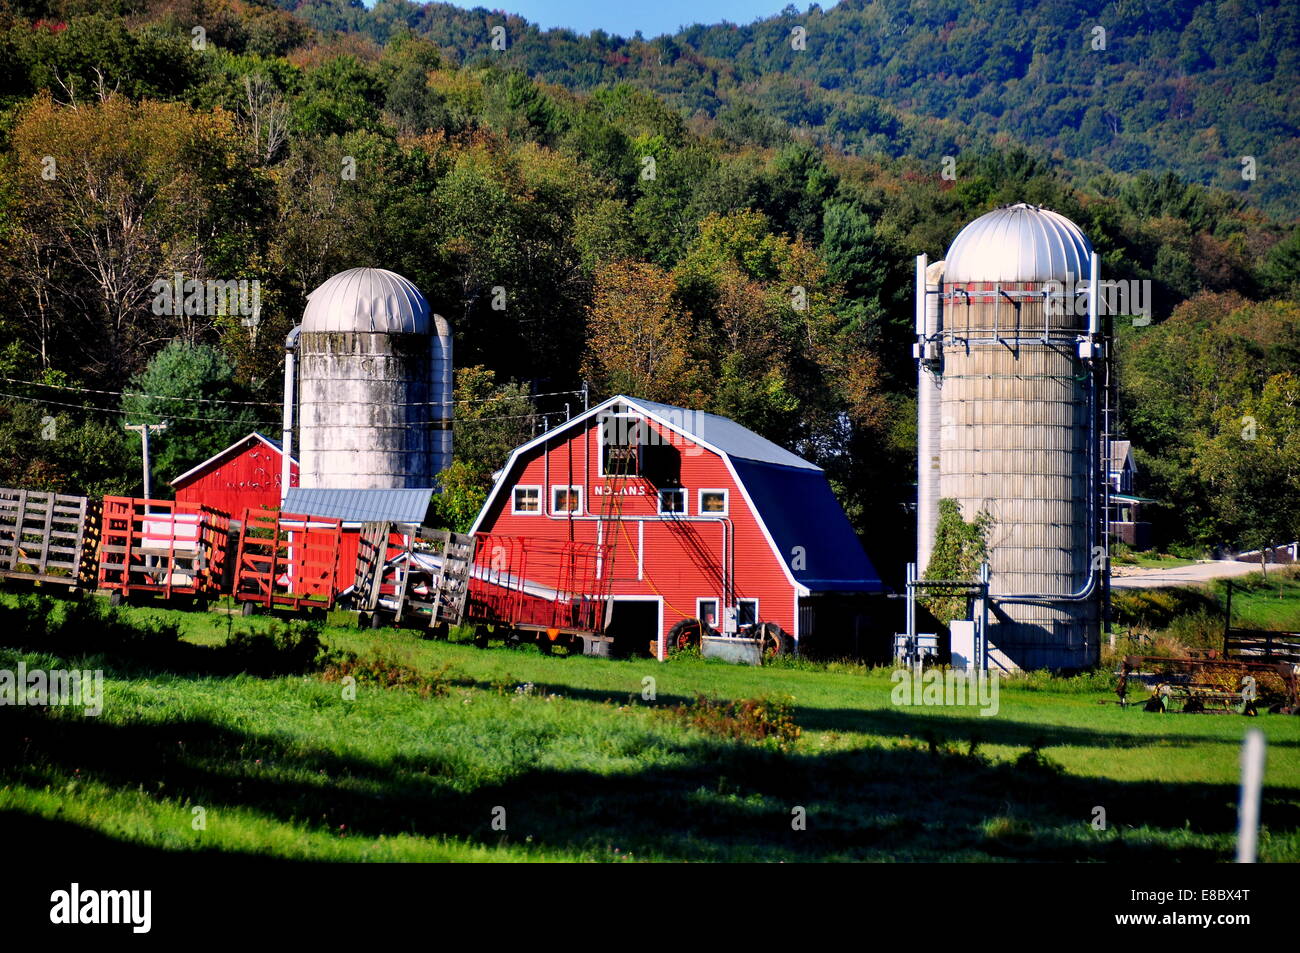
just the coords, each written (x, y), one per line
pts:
(247, 473)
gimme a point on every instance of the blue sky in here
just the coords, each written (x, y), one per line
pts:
(652, 19)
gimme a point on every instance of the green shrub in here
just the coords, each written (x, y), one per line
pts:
(294, 648)
(386, 673)
(1198, 631)
(766, 721)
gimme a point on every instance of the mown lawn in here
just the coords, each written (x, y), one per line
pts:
(581, 766)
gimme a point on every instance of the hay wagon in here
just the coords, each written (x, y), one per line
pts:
(403, 577)
(287, 561)
(529, 589)
(48, 538)
(162, 549)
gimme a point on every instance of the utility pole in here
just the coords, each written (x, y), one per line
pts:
(143, 431)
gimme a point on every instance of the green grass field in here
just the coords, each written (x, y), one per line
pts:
(581, 766)
(1265, 602)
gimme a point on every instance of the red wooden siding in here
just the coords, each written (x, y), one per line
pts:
(679, 559)
(247, 477)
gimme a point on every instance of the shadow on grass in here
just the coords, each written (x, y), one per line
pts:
(695, 801)
(923, 722)
(698, 800)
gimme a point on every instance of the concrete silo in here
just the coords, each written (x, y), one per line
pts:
(373, 368)
(1011, 359)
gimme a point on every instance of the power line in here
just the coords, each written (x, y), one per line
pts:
(123, 393)
(43, 401)
(267, 403)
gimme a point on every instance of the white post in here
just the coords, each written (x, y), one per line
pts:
(143, 431)
(1252, 780)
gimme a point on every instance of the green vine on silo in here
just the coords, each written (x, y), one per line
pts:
(959, 548)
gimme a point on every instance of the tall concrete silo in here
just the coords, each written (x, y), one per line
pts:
(374, 373)
(1011, 359)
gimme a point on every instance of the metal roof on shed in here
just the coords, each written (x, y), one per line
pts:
(407, 505)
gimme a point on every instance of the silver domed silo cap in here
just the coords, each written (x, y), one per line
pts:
(367, 300)
(1019, 243)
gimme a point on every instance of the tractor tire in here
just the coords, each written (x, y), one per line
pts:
(247, 609)
(481, 637)
(115, 598)
(773, 640)
(376, 620)
(685, 634)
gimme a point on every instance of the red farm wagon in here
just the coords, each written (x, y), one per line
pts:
(162, 548)
(287, 560)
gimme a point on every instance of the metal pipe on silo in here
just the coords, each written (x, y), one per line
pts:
(1094, 295)
(444, 393)
(286, 437)
(928, 405)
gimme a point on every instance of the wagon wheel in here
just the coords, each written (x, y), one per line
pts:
(772, 639)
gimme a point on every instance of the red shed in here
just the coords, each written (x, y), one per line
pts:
(247, 473)
(707, 519)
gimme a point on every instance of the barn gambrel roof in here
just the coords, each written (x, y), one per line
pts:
(789, 497)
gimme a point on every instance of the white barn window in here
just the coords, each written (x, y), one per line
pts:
(526, 500)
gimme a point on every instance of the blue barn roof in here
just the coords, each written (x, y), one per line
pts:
(809, 527)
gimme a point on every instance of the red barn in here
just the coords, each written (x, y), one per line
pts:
(247, 473)
(710, 521)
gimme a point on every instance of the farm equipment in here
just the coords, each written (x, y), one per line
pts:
(422, 574)
(1211, 684)
(548, 591)
(161, 548)
(48, 538)
(287, 560)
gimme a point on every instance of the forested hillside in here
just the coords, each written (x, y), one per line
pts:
(1189, 86)
(610, 235)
